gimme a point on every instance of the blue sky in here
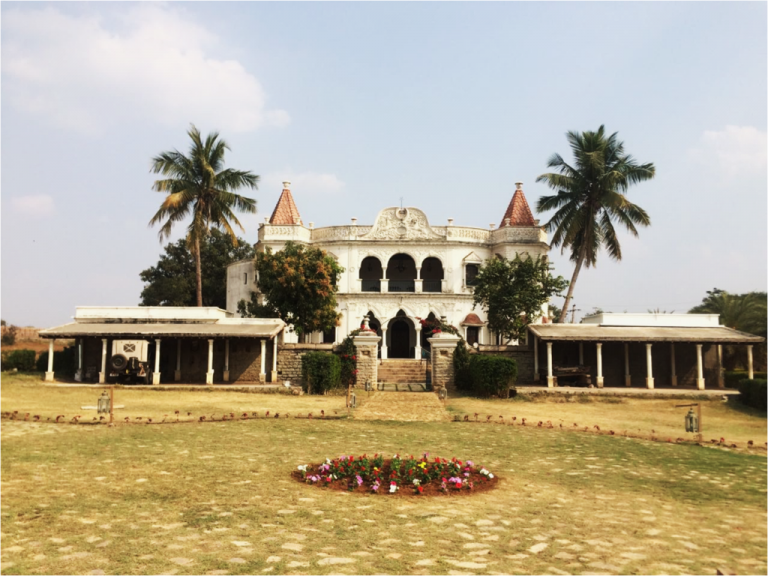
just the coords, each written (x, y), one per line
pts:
(359, 104)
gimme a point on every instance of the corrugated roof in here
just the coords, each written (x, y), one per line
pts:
(591, 332)
(285, 212)
(265, 329)
(518, 211)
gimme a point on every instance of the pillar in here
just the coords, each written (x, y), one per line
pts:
(49, 373)
(366, 350)
(384, 348)
(649, 363)
(79, 373)
(720, 371)
(550, 377)
(750, 369)
(418, 342)
(581, 353)
(384, 285)
(177, 373)
(156, 373)
(262, 371)
(103, 373)
(273, 373)
(599, 346)
(209, 373)
(226, 360)
(672, 363)
(536, 376)
(418, 282)
(699, 368)
(627, 375)
(442, 346)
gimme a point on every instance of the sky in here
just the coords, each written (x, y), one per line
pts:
(446, 105)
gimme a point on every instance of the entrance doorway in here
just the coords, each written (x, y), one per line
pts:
(400, 345)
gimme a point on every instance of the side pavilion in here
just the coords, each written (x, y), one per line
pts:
(638, 349)
(183, 344)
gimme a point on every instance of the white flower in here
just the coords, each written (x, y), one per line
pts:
(303, 468)
(392, 489)
(416, 482)
(490, 475)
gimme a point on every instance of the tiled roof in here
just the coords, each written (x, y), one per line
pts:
(472, 319)
(518, 211)
(285, 212)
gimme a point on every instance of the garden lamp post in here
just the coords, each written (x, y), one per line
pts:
(693, 419)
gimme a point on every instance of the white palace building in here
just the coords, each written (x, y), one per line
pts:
(399, 269)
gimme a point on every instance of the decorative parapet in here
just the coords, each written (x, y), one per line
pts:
(294, 232)
(518, 234)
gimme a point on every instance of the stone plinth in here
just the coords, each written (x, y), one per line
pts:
(443, 345)
(367, 351)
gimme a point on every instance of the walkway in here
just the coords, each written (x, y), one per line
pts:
(404, 406)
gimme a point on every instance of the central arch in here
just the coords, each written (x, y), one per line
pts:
(401, 337)
(401, 273)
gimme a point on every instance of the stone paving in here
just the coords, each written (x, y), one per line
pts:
(403, 406)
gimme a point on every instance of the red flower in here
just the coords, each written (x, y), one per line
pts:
(354, 357)
(420, 489)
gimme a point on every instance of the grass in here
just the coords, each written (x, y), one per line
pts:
(215, 498)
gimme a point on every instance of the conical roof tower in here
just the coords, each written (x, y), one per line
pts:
(518, 212)
(285, 212)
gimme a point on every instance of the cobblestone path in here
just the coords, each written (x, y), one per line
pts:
(405, 406)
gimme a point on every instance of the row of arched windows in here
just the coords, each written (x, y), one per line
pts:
(401, 274)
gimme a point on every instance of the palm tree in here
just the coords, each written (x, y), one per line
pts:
(743, 312)
(198, 185)
(590, 197)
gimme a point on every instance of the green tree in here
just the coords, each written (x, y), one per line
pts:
(743, 312)
(590, 197)
(199, 186)
(171, 282)
(298, 284)
(512, 293)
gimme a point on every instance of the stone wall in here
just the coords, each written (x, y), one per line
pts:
(443, 375)
(289, 360)
(522, 355)
(366, 349)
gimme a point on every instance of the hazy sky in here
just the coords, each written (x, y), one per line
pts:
(443, 104)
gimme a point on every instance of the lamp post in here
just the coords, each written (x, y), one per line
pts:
(693, 420)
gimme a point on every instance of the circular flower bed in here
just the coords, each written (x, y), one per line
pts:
(397, 475)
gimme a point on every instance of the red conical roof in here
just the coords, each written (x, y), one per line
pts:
(285, 212)
(518, 211)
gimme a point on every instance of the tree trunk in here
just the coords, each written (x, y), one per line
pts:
(198, 274)
(564, 311)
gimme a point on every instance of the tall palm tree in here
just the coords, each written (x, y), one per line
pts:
(198, 185)
(590, 197)
(744, 312)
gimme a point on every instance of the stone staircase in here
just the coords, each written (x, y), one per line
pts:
(403, 375)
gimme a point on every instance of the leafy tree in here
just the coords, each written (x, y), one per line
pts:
(590, 197)
(299, 285)
(512, 293)
(171, 282)
(200, 186)
(744, 312)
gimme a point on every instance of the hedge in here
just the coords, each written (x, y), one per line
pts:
(462, 376)
(63, 361)
(21, 360)
(321, 372)
(492, 375)
(732, 378)
(754, 393)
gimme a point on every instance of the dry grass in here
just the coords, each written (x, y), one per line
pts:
(217, 498)
(730, 420)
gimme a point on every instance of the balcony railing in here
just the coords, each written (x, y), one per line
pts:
(402, 286)
(371, 286)
(432, 285)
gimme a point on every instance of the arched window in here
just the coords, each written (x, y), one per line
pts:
(432, 275)
(401, 273)
(371, 274)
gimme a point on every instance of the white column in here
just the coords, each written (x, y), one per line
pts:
(720, 372)
(384, 285)
(599, 346)
(672, 363)
(536, 376)
(226, 360)
(49, 373)
(418, 282)
(156, 373)
(384, 348)
(581, 353)
(79, 373)
(750, 369)
(649, 363)
(177, 374)
(418, 342)
(273, 374)
(627, 375)
(103, 373)
(550, 377)
(699, 368)
(209, 374)
(262, 372)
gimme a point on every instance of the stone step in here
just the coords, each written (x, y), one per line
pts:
(404, 387)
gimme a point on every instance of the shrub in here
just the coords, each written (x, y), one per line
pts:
(9, 336)
(63, 361)
(462, 375)
(492, 375)
(754, 393)
(21, 360)
(732, 378)
(321, 372)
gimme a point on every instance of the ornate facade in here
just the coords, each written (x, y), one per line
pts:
(400, 269)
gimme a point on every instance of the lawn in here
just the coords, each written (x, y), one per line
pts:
(217, 498)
